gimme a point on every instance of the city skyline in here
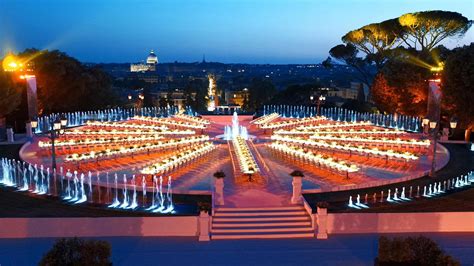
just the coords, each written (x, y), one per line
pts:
(272, 32)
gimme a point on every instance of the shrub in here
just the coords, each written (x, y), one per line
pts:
(411, 251)
(75, 251)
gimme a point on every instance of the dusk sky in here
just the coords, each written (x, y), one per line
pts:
(230, 31)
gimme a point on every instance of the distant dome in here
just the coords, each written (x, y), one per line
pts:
(152, 58)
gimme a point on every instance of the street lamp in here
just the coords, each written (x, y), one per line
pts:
(433, 129)
(57, 128)
(321, 99)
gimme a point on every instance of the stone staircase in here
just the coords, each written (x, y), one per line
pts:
(262, 222)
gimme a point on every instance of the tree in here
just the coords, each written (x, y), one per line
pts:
(10, 95)
(375, 40)
(411, 251)
(458, 86)
(199, 87)
(347, 54)
(246, 103)
(427, 29)
(401, 87)
(162, 102)
(296, 94)
(65, 85)
(261, 91)
(75, 251)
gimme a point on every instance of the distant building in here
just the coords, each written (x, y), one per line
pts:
(344, 93)
(150, 65)
(236, 97)
(177, 97)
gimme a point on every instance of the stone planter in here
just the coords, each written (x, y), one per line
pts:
(322, 215)
(204, 224)
(297, 184)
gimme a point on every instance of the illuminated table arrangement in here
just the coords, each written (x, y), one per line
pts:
(245, 157)
(334, 146)
(170, 122)
(88, 141)
(290, 123)
(336, 125)
(265, 119)
(176, 160)
(125, 125)
(361, 131)
(144, 147)
(383, 140)
(316, 158)
(127, 132)
(193, 119)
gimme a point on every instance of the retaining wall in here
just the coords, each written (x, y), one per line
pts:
(98, 227)
(355, 223)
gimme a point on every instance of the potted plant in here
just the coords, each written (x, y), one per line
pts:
(219, 174)
(297, 173)
(204, 206)
(322, 204)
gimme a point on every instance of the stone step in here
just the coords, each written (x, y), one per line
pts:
(275, 208)
(258, 213)
(263, 235)
(261, 219)
(304, 229)
(260, 224)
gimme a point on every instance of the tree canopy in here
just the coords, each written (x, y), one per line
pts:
(65, 84)
(458, 86)
(10, 94)
(401, 87)
(425, 30)
(261, 92)
(389, 39)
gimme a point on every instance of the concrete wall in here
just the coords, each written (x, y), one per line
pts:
(98, 227)
(354, 223)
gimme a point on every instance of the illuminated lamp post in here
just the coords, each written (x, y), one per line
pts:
(433, 129)
(58, 127)
(432, 122)
(321, 99)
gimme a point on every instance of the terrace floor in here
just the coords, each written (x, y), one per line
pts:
(359, 249)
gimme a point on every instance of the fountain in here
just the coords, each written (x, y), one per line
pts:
(116, 202)
(124, 204)
(134, 203)
(388, 197)
(143, 191)
(231, 132)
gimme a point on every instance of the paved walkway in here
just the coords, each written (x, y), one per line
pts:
(351, 250)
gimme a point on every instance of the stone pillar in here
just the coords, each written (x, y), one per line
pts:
(10, 135)
(204, 221)
(219, 191)
(29, 130)
(297, 183)
(322, 223)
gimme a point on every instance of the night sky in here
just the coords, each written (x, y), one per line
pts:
(230, 31)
